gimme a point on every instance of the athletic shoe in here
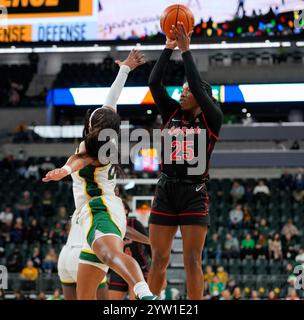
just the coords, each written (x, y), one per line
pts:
(148, 298)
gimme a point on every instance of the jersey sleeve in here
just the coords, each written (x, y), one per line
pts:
(165, 104)
(116, 88)
(212, 114)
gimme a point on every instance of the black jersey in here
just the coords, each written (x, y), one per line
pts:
(202, 130)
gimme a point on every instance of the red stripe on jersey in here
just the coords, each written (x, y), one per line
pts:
(163, 213)
(193, 214)
(118, 284)
(207, 201)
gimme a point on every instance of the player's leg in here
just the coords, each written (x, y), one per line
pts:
(117, 295)
(163, 224)
(67, 279)
(109, 249)
(103, 290)
(132, 295)
(193, 243)
(89, 277)
(69, 291)
(105, 227)
(161, 238)
(194, 220)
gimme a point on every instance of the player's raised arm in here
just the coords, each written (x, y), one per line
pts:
(164, 102)
(75, 162)
(134, 60)
(211, 111)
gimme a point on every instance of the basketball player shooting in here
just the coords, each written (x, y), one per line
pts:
(182, 199)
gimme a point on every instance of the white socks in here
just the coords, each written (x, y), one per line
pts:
(141, 289)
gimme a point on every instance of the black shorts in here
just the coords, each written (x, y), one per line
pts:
(117, 283)
(180, 203)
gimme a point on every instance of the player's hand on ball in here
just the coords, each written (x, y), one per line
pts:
(55, 175)
(135, 59)
(171, 44)
(182, 38)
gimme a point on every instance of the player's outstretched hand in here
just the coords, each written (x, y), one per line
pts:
(135, 59)
(182, 38)
(55, 175)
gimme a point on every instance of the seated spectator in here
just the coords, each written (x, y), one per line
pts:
(50, 262)
(36, 258)
(255, 295)
(237, 192)
(248, 219)
(291, 282)
(18, 232)
(261, 247)
(290, 247)
(236, 217)
(208, 276)
(57, 234)
(247, 246)
(216, 287)
(300, 256)
(56, 295)
(2, 295)
(286, 181)
(2, 250)
(222, 275)
(261, 193)
(29, 274)
(292, 295)
(34, 232)
(249, 197)
(63, 218)
(289, 269)
(299, 185)
(226, 295)
(263, 227)
(237, 294)
(231, 247)
(25, 205)
(33, 171)
(6, 231)
(18, 295)
(272, 295)
(22, 169)
(289, 229)
(47, 204)
(275, 247)
(41, 296)
(46, 166)
(14, 93)
(213, 247)
(6, 215)
(45, 237)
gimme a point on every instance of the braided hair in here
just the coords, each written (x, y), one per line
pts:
(95, 122)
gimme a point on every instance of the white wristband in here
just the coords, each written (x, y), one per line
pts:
(125, 68)
(67, 168)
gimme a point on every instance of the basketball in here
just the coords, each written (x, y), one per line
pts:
(172, 15)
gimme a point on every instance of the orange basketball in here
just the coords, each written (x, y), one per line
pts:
(173, 14)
